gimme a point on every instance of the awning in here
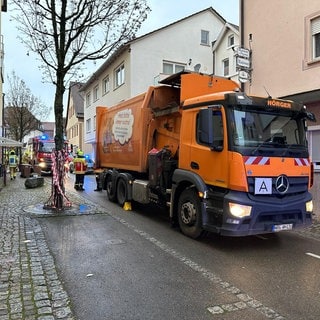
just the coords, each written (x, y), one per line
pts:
(5, 142)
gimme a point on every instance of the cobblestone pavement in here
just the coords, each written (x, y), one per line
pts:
(30, 287)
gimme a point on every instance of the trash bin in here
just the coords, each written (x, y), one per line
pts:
(37, 170)
(25, 170)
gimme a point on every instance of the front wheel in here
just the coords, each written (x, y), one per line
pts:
(189, 214)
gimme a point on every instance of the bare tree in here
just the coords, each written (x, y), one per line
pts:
(65, 34)
(24, 111)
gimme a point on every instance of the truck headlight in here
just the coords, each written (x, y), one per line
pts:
(42, 165)
(239, 210)
(309, 206)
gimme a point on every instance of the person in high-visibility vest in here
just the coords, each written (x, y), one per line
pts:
(13, 163)
(80, 167)
(25, 158)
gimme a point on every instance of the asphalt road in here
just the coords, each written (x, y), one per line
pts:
(131, 265)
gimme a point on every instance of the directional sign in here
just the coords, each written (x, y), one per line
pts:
(243, 52)
(243, 76)
(242, 62)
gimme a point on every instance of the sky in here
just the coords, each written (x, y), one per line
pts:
(163, 13)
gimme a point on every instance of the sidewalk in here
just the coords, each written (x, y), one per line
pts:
(29, 284)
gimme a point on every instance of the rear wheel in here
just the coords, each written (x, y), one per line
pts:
(122, 191)
(189, 214)
(111, 193)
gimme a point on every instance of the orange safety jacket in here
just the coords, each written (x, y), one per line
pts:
(80, 165)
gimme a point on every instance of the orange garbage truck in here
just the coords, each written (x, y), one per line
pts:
(222, 161)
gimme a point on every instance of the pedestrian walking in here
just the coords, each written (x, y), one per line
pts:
(80, 166)
(13, 163)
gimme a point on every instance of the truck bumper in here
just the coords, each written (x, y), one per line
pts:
(268, 215)
(45, 168)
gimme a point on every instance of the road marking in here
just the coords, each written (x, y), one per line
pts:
(244, 300)
(312, 255)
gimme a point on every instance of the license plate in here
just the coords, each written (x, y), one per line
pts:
(282, 227)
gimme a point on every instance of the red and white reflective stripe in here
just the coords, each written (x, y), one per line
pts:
(256, 160)
(301, 162)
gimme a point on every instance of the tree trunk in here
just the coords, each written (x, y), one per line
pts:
(58, 189)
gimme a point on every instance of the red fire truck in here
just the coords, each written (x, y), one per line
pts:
(40, 149)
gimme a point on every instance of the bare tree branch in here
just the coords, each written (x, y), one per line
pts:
(23, 111)
(71, 32)
(66, 33)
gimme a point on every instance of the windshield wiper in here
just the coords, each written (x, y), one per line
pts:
(264, 144)
(298, 150)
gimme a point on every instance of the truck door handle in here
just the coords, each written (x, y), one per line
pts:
(194, 165)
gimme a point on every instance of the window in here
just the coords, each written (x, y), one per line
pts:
(171, 67)
(316, 45)
(168, 68)
(312, 41)
(231, 40)
(313, 139)
(106, 85)
(94, 122)
(213, 137)
(204, 37)
(225, 63)
(95, 93)
(315, 33)
(88, 99)
(88, 125)
(119, 76)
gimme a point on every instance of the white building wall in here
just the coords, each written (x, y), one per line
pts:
(224, 51)
(177, 44)
(110, 98)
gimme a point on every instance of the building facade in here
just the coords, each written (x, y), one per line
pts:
(75, 118)
(186, 44)
(224, 52)
(284, 39)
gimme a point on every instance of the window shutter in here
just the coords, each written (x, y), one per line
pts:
(315, 26)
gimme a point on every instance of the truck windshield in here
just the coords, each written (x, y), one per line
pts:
(256, 131)
(46, 146)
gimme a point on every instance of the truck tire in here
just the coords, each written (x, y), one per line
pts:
(111, 192)
(122, 192)
(189, 214)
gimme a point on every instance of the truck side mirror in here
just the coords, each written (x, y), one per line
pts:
(311, 116)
